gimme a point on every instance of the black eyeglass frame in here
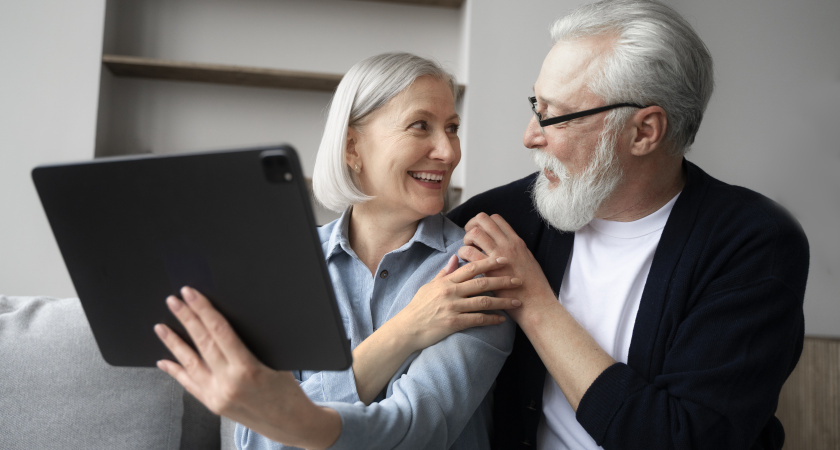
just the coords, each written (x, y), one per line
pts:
(576, 115)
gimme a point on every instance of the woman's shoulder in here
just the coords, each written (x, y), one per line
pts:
(453, 235)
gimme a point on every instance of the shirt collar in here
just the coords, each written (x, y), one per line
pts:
(429, 232)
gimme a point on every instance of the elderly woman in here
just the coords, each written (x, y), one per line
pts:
(425, 353)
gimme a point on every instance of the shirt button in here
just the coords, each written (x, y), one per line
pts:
(383, 274)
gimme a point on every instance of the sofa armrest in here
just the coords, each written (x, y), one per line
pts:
(57, 392)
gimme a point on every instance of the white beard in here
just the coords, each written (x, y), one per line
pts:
(573, 202)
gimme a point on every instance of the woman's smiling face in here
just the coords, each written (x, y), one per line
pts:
(407, 150)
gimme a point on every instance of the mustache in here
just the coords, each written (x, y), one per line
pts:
(547, 162)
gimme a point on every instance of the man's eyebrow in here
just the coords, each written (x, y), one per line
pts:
(557, 104)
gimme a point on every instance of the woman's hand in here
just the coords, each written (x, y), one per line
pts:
(227, 378)
(450, 302)
(455, 300)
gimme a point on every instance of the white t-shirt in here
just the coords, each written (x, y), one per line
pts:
(602, 289)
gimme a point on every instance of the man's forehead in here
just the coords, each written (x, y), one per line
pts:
(566, 70)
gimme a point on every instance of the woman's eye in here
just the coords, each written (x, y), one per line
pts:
(419, 125)
(453, 128)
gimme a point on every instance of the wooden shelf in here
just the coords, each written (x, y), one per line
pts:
(140, 67)
(442, 3)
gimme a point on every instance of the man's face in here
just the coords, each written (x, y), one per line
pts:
(578, 158)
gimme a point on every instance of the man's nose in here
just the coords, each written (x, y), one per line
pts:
(533, 137)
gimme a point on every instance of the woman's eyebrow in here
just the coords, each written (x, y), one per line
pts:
(427, 113)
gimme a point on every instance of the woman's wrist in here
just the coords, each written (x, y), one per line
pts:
(311, 427)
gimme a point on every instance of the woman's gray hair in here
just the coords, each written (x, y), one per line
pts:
(657, 59)
(366, 87)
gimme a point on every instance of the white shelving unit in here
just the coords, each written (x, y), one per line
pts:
(199, 75)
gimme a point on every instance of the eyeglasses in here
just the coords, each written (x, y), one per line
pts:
(567, 117)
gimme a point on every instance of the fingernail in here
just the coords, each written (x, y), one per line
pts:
(515, 302)
(187, 293)
(160, 330)
(501, 260)
(516, 281)
(173, 303)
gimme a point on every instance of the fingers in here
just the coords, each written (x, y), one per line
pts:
(175, 370)
(223, 334)
(481, 285)
(475, 221)
(470, 253)
(502, 226)
(488, 233)
(486, 303)
(211, 333)
(475, 268)
(187, 312)
(481, 240)
(450, 267)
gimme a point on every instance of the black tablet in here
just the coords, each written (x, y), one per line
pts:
(237, 225)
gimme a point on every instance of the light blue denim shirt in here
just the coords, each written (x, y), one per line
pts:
(438, 398)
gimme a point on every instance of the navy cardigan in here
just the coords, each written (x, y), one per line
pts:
(719, 328)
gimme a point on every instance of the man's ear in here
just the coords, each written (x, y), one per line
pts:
(649, 126)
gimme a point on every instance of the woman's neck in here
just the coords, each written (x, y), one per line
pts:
(373, 234)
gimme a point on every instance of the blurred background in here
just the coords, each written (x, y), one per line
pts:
(773, 124)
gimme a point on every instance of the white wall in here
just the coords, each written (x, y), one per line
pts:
(772, 124)
(50, 51)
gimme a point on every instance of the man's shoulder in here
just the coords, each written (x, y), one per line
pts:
(722, 200)
(512, 201)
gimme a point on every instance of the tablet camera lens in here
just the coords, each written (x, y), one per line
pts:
(276, 168)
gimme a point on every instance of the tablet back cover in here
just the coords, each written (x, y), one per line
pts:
(236, 225)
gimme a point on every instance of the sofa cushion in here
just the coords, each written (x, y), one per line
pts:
(57, 392)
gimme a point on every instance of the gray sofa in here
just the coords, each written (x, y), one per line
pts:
(56, 391)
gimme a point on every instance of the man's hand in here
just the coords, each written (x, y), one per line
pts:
(569, 352)
(491, 236)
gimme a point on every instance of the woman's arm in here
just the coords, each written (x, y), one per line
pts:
(451, 302)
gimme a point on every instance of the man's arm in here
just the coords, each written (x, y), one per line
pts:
(717, 365)
(569, 352)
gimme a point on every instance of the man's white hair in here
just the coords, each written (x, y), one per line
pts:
(657, 59)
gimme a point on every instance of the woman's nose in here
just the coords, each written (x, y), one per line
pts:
(446, 149)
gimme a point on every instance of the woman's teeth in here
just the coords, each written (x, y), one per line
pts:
(424, 176)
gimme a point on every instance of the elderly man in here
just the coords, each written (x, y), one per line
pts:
(680, 296)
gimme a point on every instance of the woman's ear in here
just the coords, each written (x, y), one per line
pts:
(351, 155)
(649, 125)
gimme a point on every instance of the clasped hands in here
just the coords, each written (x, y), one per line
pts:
(492, 237)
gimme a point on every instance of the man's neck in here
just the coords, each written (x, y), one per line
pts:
(642, 195)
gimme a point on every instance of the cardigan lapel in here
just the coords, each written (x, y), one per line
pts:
(553, 252)
(665, 259)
